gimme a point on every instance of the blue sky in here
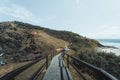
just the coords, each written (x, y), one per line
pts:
(90, 18)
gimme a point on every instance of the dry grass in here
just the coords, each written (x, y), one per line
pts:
(40, 77)
(45, 38)
(73, 72)
(25, 75)
(10, 67)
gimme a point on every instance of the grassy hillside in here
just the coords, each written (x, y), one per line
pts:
(78, 42)
(20, 41)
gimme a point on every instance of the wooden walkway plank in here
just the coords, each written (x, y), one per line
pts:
(57, 70)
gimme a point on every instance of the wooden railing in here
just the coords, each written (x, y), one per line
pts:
(95, 72)
(11, 75)
(79, 65)
(40, 69)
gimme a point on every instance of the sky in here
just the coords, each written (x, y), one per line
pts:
(97, 19)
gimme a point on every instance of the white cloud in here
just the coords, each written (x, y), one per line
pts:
(108, 32)
(18, 12)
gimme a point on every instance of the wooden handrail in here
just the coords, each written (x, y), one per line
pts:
(11, 75)
(100, 73)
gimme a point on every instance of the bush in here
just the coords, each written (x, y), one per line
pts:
(107, 61)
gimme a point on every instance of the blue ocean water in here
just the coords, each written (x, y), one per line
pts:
(110, 42)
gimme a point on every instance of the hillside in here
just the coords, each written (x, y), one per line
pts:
(20, 41)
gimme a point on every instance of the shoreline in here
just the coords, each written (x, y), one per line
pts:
(109, 49)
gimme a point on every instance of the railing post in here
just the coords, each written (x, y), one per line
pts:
(68, 61)
(46, 62)
(51, 56)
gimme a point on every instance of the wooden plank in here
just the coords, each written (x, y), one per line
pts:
(54, 70)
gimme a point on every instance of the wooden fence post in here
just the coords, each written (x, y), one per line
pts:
(46, 62)
(68, 61)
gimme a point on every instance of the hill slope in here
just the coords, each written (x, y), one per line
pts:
(20, 41)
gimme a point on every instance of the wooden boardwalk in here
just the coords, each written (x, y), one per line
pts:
(57, 70)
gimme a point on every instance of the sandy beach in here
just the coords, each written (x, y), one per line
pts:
(113, 50)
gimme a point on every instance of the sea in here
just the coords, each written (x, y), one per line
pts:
(111, 42)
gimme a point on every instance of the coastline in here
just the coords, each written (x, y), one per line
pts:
(109, 49)
(113, 47)
(109, 45)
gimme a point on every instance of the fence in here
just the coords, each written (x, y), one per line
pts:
(95, 72)
(11, 75)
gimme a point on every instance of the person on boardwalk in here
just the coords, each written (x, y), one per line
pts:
(64, 51)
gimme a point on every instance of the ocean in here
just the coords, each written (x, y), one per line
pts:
(111, 42)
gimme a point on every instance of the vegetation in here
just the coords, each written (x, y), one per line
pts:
(10, 67)
(74, 38)
(21, 41)
(107, 61)
(26, 74)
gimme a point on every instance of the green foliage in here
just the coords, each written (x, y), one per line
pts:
(107, 61)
